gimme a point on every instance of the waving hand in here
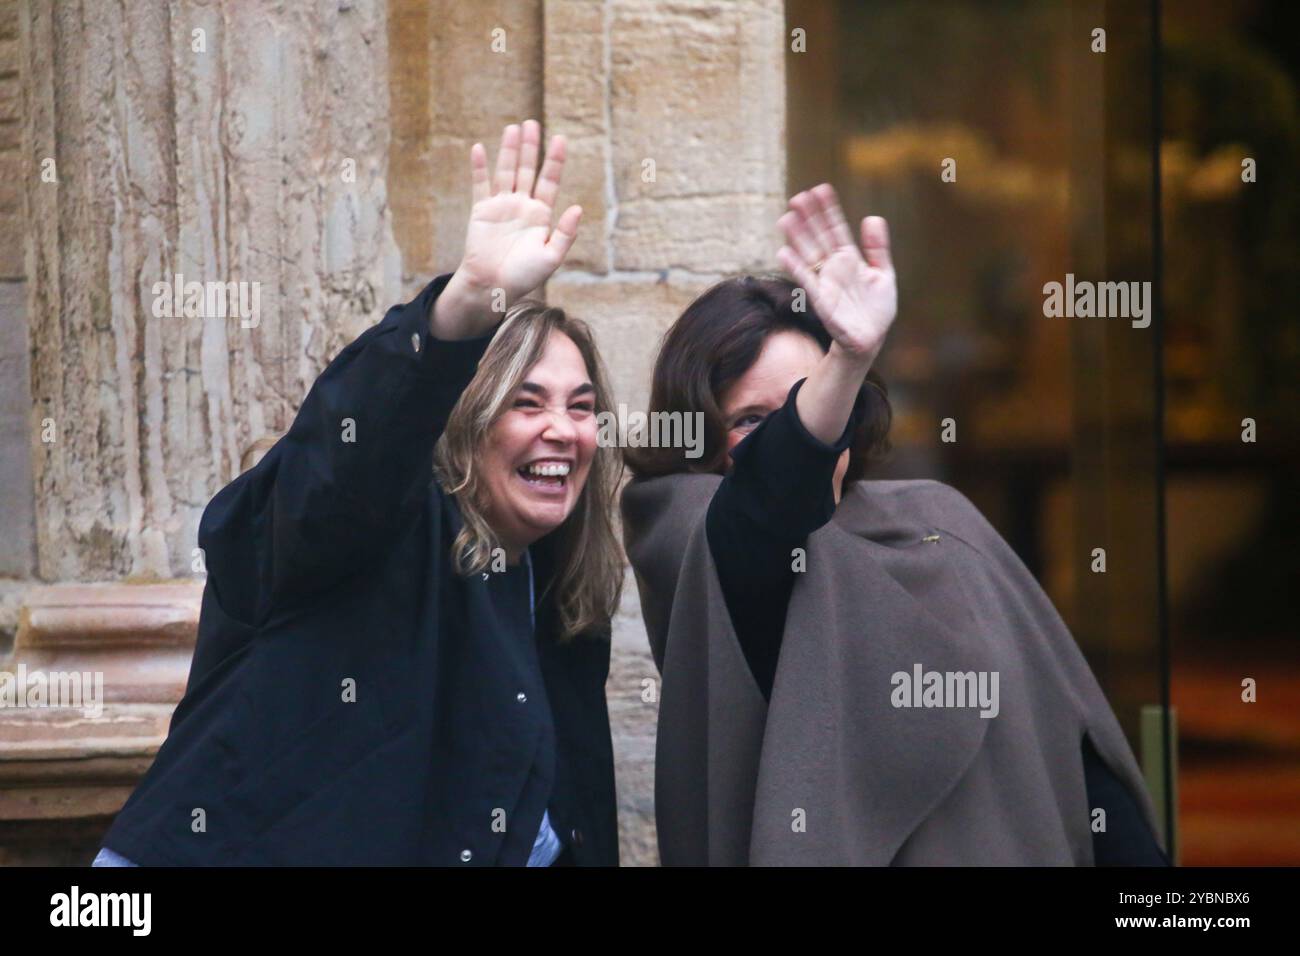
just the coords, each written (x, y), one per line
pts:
(509, 243)
(854, 295)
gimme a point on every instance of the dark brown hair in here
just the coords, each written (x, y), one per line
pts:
(713, 343)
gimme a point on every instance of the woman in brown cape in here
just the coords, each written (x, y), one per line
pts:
(854, 672)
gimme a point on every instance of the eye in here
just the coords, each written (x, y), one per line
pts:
(583, 408)
(527, 403)
(749, 421)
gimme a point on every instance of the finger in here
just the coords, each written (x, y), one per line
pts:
(548, 183)
(482, 188)
(565, 232)
(528, 157)
(875, 242)
(833, 215)
(820, 220)
(507, 160)
(793, 263)
(806, 204)
(798, 235)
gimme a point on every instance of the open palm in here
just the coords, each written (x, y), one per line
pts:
(855, 297)
(509, 243)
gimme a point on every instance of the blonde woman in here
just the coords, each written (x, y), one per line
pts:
(403, 644)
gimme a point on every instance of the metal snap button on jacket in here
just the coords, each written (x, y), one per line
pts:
(466, 856)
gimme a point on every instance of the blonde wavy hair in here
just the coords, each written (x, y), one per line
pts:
(589, 563)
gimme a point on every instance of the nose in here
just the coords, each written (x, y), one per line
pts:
(560, 428)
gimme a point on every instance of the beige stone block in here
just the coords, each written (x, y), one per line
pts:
(477, 89)
(697, 106)
(450, 201)
(474, 93)
(628, 317)
(575, 78)
(697, 87)
(410, 163)
(575, 66)
(585, 162)
(86, 617)
(114, 659)
(726, 233)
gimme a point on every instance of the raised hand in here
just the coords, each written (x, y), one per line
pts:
(509, 243)
(855, 297)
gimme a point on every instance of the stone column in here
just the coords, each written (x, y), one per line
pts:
(223, 143)
(219, 143)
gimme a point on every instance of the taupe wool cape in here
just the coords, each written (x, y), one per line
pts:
(831, 772)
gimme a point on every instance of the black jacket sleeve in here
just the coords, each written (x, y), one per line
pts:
(349, 475)
(778, 492)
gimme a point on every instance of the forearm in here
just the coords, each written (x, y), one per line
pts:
(827, 397)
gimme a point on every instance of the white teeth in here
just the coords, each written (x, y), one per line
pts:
(548, 469)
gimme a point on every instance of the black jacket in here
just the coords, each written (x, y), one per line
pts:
(351, 699)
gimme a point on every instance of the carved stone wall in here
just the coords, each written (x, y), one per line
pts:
(318, 153)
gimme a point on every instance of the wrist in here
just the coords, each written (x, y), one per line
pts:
(468, 286)
(463, 310)
(851, 364)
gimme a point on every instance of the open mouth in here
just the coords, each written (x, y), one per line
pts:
(546, 475)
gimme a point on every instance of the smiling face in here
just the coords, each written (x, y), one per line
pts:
(786, 357)
(539, 451)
